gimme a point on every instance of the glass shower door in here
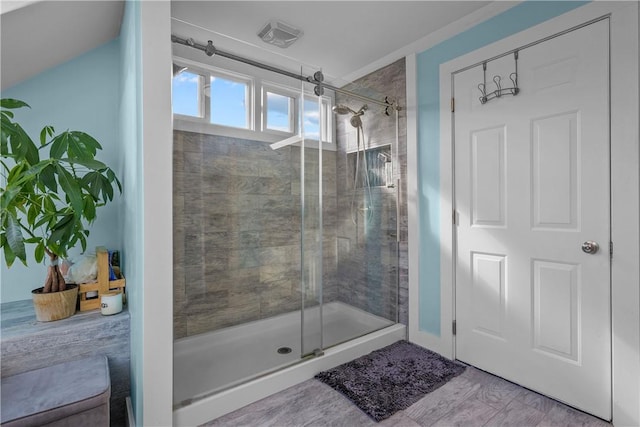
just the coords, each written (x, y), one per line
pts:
(312, 123)
(361, 291)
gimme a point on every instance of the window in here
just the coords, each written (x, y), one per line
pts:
(186, 94)
(312, 119)
(218, 101)
(224, 100)
(279, 112)
(229, 102)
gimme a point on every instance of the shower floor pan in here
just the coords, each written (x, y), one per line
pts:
(217, 372)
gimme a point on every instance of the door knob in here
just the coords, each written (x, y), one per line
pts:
(590, 247)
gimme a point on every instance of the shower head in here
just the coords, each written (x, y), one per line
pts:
(355, 120)
(343, 109)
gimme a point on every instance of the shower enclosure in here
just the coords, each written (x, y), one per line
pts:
(285, 226)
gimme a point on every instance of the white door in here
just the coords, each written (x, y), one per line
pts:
(531, 186)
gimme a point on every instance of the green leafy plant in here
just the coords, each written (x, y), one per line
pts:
(48, 201)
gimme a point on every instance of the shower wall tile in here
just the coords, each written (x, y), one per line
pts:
(229, 203)
(283, 255)
(225, 279)
(280, 236)
(371, 271)
(189, 142)
(237, 229)
(278, 273)
(179, 291)
(192, 161)
(274, 306)
(205, 302)
(243, 258)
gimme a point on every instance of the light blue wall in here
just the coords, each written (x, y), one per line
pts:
(130, 149)
(100, 93)
(81, 94)
(516, 19)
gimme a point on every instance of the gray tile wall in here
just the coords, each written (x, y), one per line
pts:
(369, 258)
(237, 226)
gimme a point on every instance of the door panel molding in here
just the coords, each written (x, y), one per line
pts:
(558, 158)
(556, 321)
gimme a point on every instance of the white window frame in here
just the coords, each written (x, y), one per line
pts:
(327, 134)
(205, 73)
(249, 97)
(259, 83)
(268, 87)
(201, 103)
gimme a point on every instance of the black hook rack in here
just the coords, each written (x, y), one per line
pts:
(497, 80)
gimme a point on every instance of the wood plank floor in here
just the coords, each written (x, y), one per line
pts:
(475, 398)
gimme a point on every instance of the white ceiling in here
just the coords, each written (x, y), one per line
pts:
(36, 36)
(340, 37)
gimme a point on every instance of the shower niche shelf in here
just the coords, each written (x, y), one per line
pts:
(379, 165)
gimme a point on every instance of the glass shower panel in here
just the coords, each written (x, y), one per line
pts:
(312, 121)
(241, 277)
(361, 295)
(285, 222)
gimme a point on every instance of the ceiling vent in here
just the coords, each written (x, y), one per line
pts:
(279, 34)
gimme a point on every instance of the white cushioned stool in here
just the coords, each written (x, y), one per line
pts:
(69, 394)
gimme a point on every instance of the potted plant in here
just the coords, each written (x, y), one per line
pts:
(48, 200)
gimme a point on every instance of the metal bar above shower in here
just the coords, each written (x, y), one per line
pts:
(318, 78)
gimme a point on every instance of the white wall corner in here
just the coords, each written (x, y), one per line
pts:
(625, 220)
(416, 336)
(157, 161)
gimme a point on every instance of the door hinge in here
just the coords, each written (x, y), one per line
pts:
(453, 105)
(454, 328)
(454, 217)
(611, 250)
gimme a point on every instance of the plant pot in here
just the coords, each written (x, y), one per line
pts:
(55, 305)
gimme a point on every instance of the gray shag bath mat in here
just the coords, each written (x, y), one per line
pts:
(391, 379)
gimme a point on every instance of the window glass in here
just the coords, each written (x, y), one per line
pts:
(229, 102)
(327, 135)
(279, 112)
(186, 94)
(312, 125)
(225, 98)
(311, 119)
